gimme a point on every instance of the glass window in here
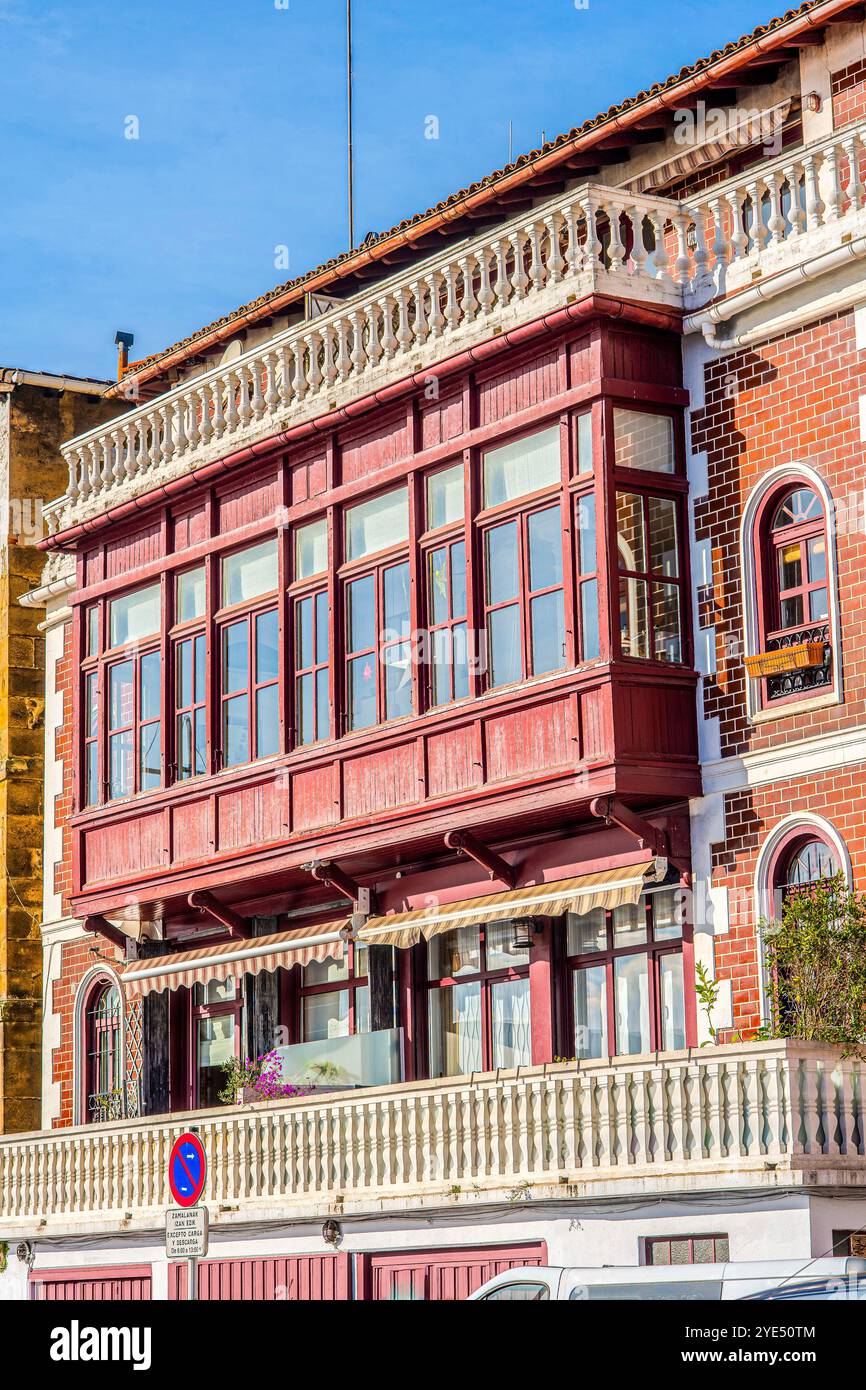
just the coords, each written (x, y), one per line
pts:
(590, 1012)
(311, 549)
(121, 729)
(590, 631)
(523, 1293)
(794, 601)
(312, 668)
(191, 595)
(526, 466)
(584, 443)
(190, 721)
(335, 996)
(104, 1061)
(478, 1000)
(445, 499)
(134, 725)
(91, 739)
(379, 524)
(631, 986)
(446, 618)
(644, 441)
(135, 616)
(250, 688)
(379, 674)
(92, 628)
(651, 618)
(524, 596)
(250, 573)
(150, 724)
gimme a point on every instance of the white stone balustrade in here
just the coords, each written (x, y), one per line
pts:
(592, 240)
(760, 1113)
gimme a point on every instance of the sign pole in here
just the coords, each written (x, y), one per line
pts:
(192, 1279)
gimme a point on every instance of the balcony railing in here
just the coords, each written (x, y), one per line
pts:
(758, 1112)
(593, 240)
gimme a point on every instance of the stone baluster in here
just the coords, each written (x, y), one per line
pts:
(537, 275)
(299, 376)
(218, 420)
(616, 246)
(193, 429)
(701, 277)
(503, 280)
(390, 343)
(594, 248)
(829, 183)
(573, 252)
(739, 239)
(758, 230)
(683, 261)
(486, 296)
(853, 186)
(555, 259)
(776, 222)
(329, 364)
(245, 410)
(314, 375)
(344, 360)
(796, 218)
(452, 306)
(233, 378)
(519, 277)
(177, 413)
(76, 486)
(639, 254)
(118, 471)
(374, 337)
(469, 304)
(421, 327)
(404, 328)
(721, 245)
(814, 202)
(358, 355)
(272, 395)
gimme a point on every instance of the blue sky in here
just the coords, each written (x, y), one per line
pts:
(240, 107)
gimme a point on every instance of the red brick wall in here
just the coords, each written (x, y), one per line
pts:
(848, 91)
(793, 400)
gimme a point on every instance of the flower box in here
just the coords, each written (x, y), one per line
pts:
(797, 658)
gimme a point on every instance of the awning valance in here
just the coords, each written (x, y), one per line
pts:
(606, 888)
(234, 958)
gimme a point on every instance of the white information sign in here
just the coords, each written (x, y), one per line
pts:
(186, 1233)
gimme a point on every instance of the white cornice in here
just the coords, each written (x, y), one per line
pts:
(806, 757)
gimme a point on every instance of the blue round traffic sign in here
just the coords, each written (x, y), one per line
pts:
(187, 1170)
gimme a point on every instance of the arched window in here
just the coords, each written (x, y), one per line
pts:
(103, 1033)
(794, 595)
(802, 861)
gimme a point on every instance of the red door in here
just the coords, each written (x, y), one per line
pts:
(300, 1278)
(129, 1283)
(443, 1275)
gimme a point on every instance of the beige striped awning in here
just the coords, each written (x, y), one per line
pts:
(607, 888)
(234, 958)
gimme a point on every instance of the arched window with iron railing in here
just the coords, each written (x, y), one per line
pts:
(103, 1070)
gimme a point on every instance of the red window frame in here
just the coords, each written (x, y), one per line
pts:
(771, 633)
(719, 1255)
(587, 574)
(253, 687)
(519, 514)
(196, 641)
(487, 979)
(351, 984)
(654, 951)
(448, 541)
(196, 1013)
(95, 1029)
(315, 670)
(90, 787)
(649, 578)
(783, 538)
(136, 724)
(375, 654)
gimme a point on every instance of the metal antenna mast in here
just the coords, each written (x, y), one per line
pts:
(351, 152)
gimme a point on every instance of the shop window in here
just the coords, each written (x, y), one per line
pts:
(216, 1019)
(335, 996)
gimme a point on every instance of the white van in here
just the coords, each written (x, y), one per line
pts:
(657, 1282)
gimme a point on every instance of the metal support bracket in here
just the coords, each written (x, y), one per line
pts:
(649, 836)
(237, 926)
(324, 871)
(464, 842)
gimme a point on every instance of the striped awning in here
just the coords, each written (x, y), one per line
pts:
(607, 888)
(234, 958)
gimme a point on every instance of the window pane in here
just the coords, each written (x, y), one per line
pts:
(790, 567)
(629, 925)
(398, 680)
(150, 770)
(311, 548)
(455, 1029)
(663, 536)
(590, 1012)
(634, 617)
(120, 764)
(525, 466)
(631, 991)
(437, 585)
(92, 631)
(91, 702)
(326, 972)
(441, 655)
(362, 692)
(214, 992)
(800, 505)
(362, 613)
(235, 658)
(503, 575)
(323, 705)
(304, 633)
(268, 721)
(200, 729)
(267, 647)
(545, 548)
(184, 747)
(500, 953)
(190, 595)
(362, 1010)
(121, 701)
(326, 1015)
(644, 441)
(460, 656)
(667, 645)
(322, 627)
(445, 497)
(631, 546)
(200, 658)
(818, 605)
(250, 573)
(184, 674)
(397, 620)
(667, 915)
(587, 933)
(589, 619)
(548, 633)
(92, 774)
(586, 529)
(236, 738)
(305, 714)
(584, 442)
(150, 694)
(792, 611)
(506, 664)
(512, 1032)
(135, 616)
(378, 524)
(458, 580)
(672, 1005)
(454, 953)
(817, 559)
(216, 1045)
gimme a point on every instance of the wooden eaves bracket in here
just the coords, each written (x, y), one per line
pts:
(464, 842)
(238, 926)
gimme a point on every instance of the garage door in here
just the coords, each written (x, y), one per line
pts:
(131, 1283)
(302, 1278)
(443, 1274)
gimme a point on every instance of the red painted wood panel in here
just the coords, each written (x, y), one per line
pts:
(451, 761)
(190, 831)
(93, 566)
(253, 502)
(117, 849)
(308, 477)
(595, 724)
(250, 815)
(518, 388)
(380, 781)
(529, 740)
(130, 1283)
(445, 1275)
(657, 720)
(442, 420)
(128, 553)
(299, 1278)
(314, 798)
(375, 449)
(190, 527)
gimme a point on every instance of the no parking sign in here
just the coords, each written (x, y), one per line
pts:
(187, 1170)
